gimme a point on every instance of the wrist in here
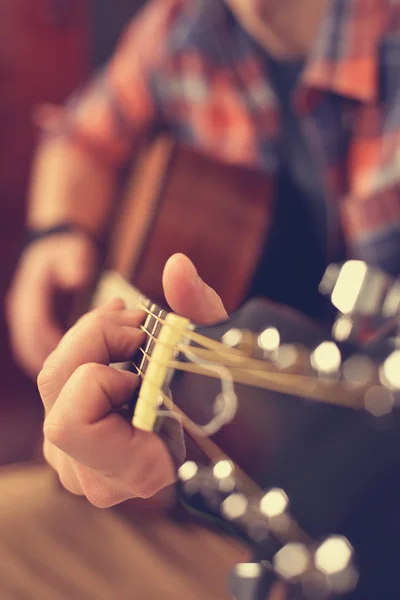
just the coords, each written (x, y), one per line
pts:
(36, 234)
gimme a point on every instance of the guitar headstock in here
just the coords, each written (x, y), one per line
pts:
(367, 300)
(319, 568)
(310, 415)
(355, 393)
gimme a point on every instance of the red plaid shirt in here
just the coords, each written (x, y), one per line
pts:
(187, 67)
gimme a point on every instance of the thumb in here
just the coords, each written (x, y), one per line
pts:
(74, 267)
(188, 295)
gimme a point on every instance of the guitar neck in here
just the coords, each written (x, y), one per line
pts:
(111, 285)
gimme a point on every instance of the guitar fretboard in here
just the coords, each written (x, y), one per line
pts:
(113, 285)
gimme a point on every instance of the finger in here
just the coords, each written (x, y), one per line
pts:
(85, 406)
(99, 337)
(34, 334)
(83, 423)
(113, 304)
(93, 392)
(188, 295)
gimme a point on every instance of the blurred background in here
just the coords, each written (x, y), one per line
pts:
(47, 49)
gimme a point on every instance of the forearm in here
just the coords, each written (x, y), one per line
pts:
(69, 185)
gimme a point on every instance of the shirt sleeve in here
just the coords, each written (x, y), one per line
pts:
(112, 113)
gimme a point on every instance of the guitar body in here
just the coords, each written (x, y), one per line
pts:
(181, 201)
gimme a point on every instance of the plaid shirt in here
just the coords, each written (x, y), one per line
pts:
(187, 67)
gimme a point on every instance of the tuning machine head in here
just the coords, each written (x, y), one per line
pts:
(240, 339)
(211, 484)
(383, 396)
(364, 296)
(218, 490)
(250, 581)
(326, 359)
(321, 572)
(390, 371)
(269, 340)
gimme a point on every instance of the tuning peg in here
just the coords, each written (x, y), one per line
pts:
(358, 371)
(356, 288)
(188, 476)
(224, 474)
(391, 306)
(274, 503)
(241, 339)
(269, 340)
(379, 401)
(365, 297)
(327, 571)
(344, 328)
(273, 508)
(292, 561)
(381, 398)
(326, 359)
(333, 555)
(252, 581)
(334, 560)
(390, 371)
(235, 506)
(291, 358)
(202, 482)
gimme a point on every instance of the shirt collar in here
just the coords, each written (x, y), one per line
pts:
(345, 58)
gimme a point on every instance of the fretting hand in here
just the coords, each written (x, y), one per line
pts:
(94, 449)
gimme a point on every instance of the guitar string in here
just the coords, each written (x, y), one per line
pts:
(263, 368)
(281, 382)
(324, 394)
(213, 344)
(297, 384)
(324, 384)
(227, 395)
(291, 531)
(210, 344)
(193, 336)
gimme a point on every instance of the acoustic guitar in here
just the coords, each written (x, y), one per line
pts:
(179, 200)
(292, 433)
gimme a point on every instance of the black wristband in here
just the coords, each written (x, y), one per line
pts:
(34, 235)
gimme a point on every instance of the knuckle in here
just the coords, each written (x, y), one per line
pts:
(88, 372)
(70, 483)
(101, 490)
(95, 319)
(91, 323)
(56, 433)
(151, 472)
(152, 483)
(48, 377)
(50, 453)
(101, 497)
